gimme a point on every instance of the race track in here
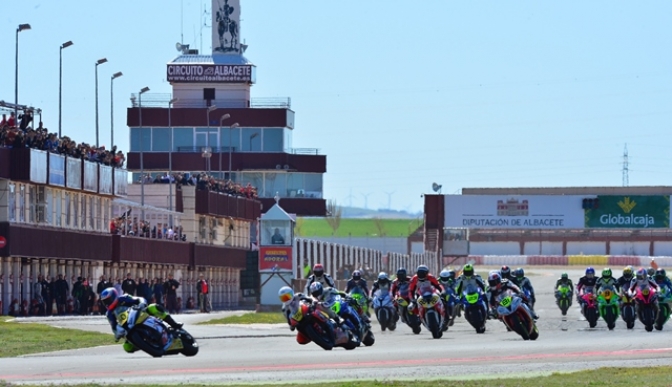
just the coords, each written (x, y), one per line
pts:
(263, 354)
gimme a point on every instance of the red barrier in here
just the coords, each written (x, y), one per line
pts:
(559, 260)
(623, 260)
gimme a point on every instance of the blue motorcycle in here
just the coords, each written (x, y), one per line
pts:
(451, 303)
(475, 307)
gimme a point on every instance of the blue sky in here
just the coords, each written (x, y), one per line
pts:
(397, 94)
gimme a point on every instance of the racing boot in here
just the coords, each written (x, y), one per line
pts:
(173, 324)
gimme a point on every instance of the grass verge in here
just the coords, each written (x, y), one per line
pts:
(318, 227)
(250, 318)
(18, 339)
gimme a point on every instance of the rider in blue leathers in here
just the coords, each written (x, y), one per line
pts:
(326, 299)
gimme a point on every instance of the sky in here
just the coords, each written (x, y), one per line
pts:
(397, 94)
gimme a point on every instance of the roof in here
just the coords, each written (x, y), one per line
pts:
(212, 59)
(277, 213)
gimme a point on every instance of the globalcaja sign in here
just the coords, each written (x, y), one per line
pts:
(205, 73)
(629, 212)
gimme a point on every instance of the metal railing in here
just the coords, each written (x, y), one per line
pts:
(305, 151)
(162, 99)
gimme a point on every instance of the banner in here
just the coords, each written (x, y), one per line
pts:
(629, 212)
(275, 258)
(514, 211)
(210, 73)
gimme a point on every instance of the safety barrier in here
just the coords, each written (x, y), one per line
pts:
(560, 260)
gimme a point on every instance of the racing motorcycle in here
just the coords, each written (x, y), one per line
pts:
(664, 298)
(475, 307)
(316, 325)
(608, 306)
(628, 310)
(343, 308)
(647, 307)
(564, 298)
(410, 319)
(430, 308)
(386, 313)
(359, 304)
(516, 317)
(358, 295)
(589, 307)
(152, 335)
(450, 304)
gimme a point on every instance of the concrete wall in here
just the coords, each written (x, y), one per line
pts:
(391, 245)
(494, 248)
(587, 248)
(662, 248)
(547, 248)
(629, 248)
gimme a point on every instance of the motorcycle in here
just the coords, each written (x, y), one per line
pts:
(316, 325)
(368, 338)
(431, 311)
(386, 313)
(410, 319)
(589, 306)
(608, 306)
(475, 307)
(450, 304)
(628, 310)
(647, 306)
(516, 317)
(664, 298)
(358, 295)
(152, 335)
(564, 298)
(341, 307)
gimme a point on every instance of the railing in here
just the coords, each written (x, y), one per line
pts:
(305, 151)
(199, 149)
(162, 100)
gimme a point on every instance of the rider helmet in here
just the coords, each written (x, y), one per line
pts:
(422, 271)
(383, 278)
(468, 270)
(606, 272)
(401, 274)
(285, 294)
(446, 275)
(356, 275)
(564, 277)
(660, 275)
(519, 273)
(505, 271)
(627, 272)
(316, 289)
(109, 298)
(494, 279)
(318, 270)
(590, 272)
(650, 271)
(641, 274)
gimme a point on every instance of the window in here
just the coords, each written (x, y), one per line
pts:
(287, 144)
(295, 184)
(273, 140)
(92, 213)
(160, 140)
(57, 207)
(251, 140)
(313, 185)
(68, 198)
(32, 204)
(22, 203)
(275, 183)
(146, 139)
(234, 135)
(183, 139)
(11, 201)
(75, 210)
(276, 232)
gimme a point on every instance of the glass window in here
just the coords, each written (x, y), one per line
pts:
(313, 184)
(67, 208)
(11, 201)
(32, 197)
(273, 140)
(254, 178)
(287, 144)
(295, 184)
(183, 139)
(49, 207)
(251, 140)
(58, 207)
(160, 140)
(234, 135)
(275, 183)
(146, 139)
(75, 210)
(22, 203)
(276, 232)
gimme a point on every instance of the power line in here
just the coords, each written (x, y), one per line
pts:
(626, 166)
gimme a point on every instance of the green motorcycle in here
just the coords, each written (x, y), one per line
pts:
(563, 295)
(608, 305)
(664, 299)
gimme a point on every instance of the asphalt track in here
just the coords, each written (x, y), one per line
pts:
(269, 353)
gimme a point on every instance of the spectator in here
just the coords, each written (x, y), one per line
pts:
(170, 288)
(129, 285)
(117, 286)
(86, 298)
(203, 290)
(77, 294)
(143, 289)
(158, 291)
(277, 239)
(61, 289)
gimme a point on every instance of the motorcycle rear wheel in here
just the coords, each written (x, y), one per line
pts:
(138, 338)
(190, 345)
(326, 343)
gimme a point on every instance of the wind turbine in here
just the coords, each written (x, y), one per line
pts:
(349, 197)
(366, 200)
(389, 199)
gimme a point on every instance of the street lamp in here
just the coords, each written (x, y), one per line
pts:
(98, 62)
(21, 27)
(221, 119)
(251, 137)
(114, 76)
(60, 81)
(235, 125)
(208, 152)
(170, 157)
(142, 165)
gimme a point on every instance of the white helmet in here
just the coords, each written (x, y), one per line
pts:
(285, 294)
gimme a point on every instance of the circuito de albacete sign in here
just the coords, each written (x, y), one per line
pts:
(210, 73)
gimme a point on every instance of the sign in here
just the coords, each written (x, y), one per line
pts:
(210, 73)
(629, 212)
(275, 258)
(226, 27)
(514, 211)
(3, 242)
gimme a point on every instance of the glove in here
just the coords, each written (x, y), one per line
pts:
(292, 328)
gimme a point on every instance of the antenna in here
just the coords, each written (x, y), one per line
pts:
(626, 166)
(436, 187)
(366, 200)
(389, 199)
(182, 21)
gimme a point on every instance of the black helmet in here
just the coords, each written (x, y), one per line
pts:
(422, 271)
(650, 271)
(447, 275)
(505, 271)
(401, 273)
(494, 279)
(356, 275)
(660, 274)
(520, 273)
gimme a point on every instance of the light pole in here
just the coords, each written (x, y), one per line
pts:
(60, 81)
(98, 62)
(142, 165)
(21, 27)
(251, 137)
(170, 158)
(208, 152)
(235, 125)
(221, 119)
(114, 76)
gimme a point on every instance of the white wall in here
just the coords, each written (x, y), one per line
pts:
(662, 248)
(547, 248)
(387, 245)
(417, 247)
(494, 248)
(629, 248)
(587, 248)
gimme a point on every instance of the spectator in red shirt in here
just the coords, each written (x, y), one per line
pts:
(12, 120)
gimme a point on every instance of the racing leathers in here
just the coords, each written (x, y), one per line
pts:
(125, 301)
(400, 287)
(416, 284)
(642, 283)
(331, 296)
(494, 294)
(584, 284)
(357, 283)
(325, 279)
(623, 282)
(525, 285)
(605, 282)
(664, 283)
(563, 282)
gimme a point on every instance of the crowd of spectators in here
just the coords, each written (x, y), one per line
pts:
(124, 225)
(203, 182)
(25, 136)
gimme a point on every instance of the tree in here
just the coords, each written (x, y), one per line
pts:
(298, 227)
(333, 218)
(380, 226)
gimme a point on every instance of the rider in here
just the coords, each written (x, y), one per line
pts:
(402, 281)
(650, 271)
(626, 278)
(563, 281)
(383, 283)
(524, 284)
(420, 278)
(587, 280)
(499, 285)
(290, 302)
(111, 299)
(505, 271)
(468, 277)
(357, 282)
(661, 279)
(447, 280)
(327, 297)
(606, 280)
(642, 280)
(319, 276)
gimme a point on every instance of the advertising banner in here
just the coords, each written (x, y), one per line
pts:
(629, 212)
(514, 211)
(210, 73)
(275, 258)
